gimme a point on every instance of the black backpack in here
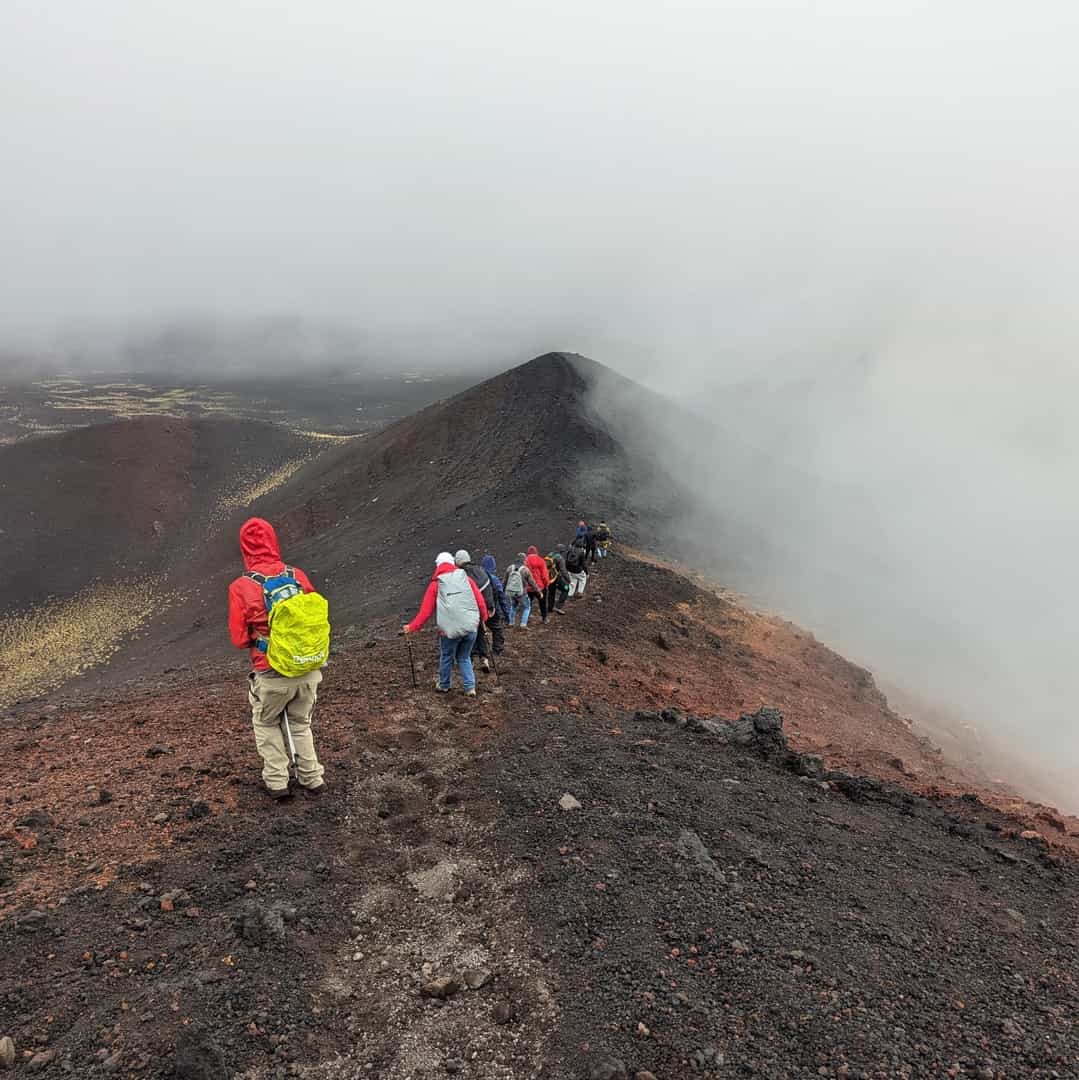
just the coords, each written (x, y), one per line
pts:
(574, 560)
(483, 583)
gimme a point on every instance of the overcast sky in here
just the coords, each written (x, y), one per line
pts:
(848, 228)
(758, 181)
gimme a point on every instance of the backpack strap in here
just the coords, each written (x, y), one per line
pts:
(260, 578)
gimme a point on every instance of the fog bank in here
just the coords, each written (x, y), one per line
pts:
(917, 515)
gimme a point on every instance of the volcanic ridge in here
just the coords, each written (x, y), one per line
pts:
(671, 837)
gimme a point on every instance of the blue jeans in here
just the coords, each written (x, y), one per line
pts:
(523, 605)
(459, 651)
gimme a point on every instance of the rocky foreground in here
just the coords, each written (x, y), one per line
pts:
(551, 881)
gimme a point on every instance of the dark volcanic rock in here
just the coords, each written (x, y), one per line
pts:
(259, 924)
(198, 1056)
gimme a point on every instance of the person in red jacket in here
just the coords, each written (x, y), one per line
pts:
(460, 608)
(268, 692)
(536, 563)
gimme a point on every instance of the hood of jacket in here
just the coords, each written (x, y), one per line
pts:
(489, 564)
(533, 550)
(444, 564)
(258, 545)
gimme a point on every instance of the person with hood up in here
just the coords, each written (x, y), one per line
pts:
(268, 692)
(537, 565)
(520, 587)
(460, 609)
(582, 528)
(487, 590)
(502, 607)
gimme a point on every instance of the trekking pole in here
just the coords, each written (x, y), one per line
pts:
(411, 661)
(290, 744)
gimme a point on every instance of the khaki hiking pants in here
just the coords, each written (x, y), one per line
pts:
(270, 694)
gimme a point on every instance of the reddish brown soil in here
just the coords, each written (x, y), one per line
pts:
(109, 974)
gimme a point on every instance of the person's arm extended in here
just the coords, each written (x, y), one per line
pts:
(427, 608)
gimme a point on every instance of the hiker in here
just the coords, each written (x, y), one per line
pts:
(502, 607)
(576, 567)
(582, 528)
(558, 587)
(252, 597)
(520, 587)
(603, 539)
(538, 568)
(459, 608)
(493, 620)
(590, 543)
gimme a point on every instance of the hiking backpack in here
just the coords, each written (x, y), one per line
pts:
(458, 612)
(552, 569)
(299, 624)
(574, 560)
(515, 585)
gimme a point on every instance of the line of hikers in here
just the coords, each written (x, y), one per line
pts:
(275, 613)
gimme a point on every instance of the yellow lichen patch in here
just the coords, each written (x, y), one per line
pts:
(327, 436)
(251, 485)
(47, 645)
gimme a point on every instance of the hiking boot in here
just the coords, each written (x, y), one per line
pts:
(440, 688)
(470, 693)
(485, 664)
(315, 792)
(278, 794)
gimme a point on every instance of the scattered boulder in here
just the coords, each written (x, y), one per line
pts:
(33, 920)
(7, 1052)
(502, 1013)
(158, 749)
(608, 1068)
(40, 1060)
(259, 924)
(200, 808)
(692, 847)
(198, 1056)
(568, 802)
(811, 765)
(476, 977)
(36, 819)
(441, 988)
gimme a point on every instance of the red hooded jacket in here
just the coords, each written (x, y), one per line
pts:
(248, 618)
(430, 598)
(535, 562)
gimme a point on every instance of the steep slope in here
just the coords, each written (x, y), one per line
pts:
(105, 525)
(126, 498)
(510, 462)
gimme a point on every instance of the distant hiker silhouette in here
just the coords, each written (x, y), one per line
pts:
(275, 612)
(459, 608)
